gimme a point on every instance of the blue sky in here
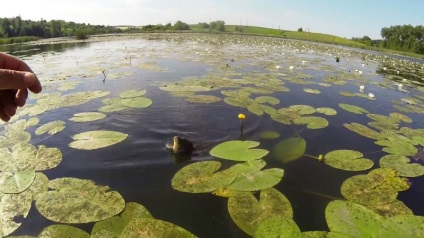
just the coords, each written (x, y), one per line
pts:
(345, 18)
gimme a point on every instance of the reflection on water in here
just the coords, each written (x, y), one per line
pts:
(140, 168)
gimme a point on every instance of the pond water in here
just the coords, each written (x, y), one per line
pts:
(198, 85)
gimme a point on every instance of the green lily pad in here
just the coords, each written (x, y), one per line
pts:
(63, 231)
(200, 177)
(91, 140)
(400, 117)
(12, 206)
(267, 99)
(132, 93)
(187, 88)
(352, 220)
(51, 128)
(349, 160)
(153, 228)
(326, 111)
(353, 108)
(203, 98)
(114, 225)
(247, 212)
(114, 107)
(278, 226)
(32, 122)
(243, 102)
(16, 182)
(312, 91)
(289, 149)
(270, 135)
(391, 209)
(397, 147)
(382, 119)
(312, 122)
(39, 185)
(250, 177)
(134, 210)
(402, 164)
(402, 226)
(87, 116)
(301, 109)
(259, 109)
(238, 150)
(72, 200)
(379, 186)
(139, 102)
(363, 130)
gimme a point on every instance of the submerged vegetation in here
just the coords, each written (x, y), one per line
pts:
(298, 127)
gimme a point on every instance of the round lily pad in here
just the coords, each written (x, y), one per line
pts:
(51, 128)
(278, 226)
(391, 209)
(139, 102)
(270, 135)
(238, 150)
(353, 108)
(379, 186)
(397, 147)
(363, 130)
(87, 116)
(200, 177)
(259, 109)
(114, 107)
(267, 99)
(352, 220)
(247, 212)
(91, 140)
(250, 177)
(349, 160)
(12, 206)
(62, 231)
(132, 93)
(312, 122)
(402, 226)
(72, 200)
(203, 99)
(402, 164)
(327, 111)
(153, 228)
(400, 117)
(114, 225)
(134, 210)
(289, 149)
(16, 182)
(312, 91)
(302, 109)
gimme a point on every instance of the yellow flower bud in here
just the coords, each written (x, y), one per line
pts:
(241, 116)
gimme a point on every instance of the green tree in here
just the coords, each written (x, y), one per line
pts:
(181, 26)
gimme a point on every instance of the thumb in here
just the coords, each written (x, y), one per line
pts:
(12, 79)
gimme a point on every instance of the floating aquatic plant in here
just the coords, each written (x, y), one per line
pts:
(238, 150)
(350, 160)
(91, 140)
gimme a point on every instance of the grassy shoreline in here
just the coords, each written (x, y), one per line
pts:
(262, 31)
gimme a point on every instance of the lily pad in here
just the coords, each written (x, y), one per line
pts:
(203, 99)
(259, 109)
(51, 128)
(91, 140)
(391, 209)
(114, 107)
(353, 108)
(312, 122)
(402, 226)
(153, 228)
(289, 149)
(302, 109)
(134, 210)
(278, 226)
(312, 91)
(349, 160)
(352, 220)
(270, 135)
(363, 130)
(16, 182)
(250, 177)
(326, 111)
(87, 116)
(380, 186)
(400, 117)
(238, 150)
(397, 147)
(247, 212)
(132, 93)
(63, 231)
(267, 99)
(72, 200)
(402, 164)
(139, 102)
(12, 206)
(200, 177)
(114, 225)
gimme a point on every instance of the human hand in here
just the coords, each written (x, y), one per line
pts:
(16, 77)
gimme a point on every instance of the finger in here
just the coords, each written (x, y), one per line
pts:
(12, 79)
(3, 116)
(9, 110)
(21, 97)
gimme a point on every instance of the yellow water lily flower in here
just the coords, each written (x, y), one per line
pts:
(241, 116)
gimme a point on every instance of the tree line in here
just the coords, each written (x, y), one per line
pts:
(400, 37)
(16, 26)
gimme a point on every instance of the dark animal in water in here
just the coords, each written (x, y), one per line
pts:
(180, 146)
